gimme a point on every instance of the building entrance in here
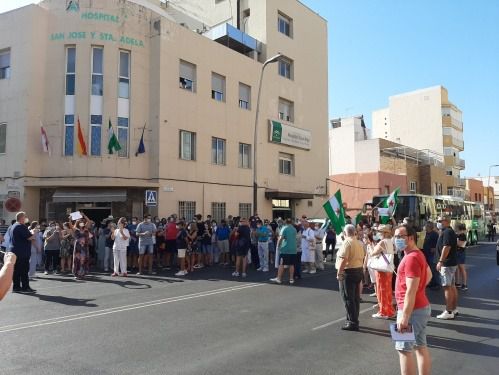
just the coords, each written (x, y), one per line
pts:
(281, 208)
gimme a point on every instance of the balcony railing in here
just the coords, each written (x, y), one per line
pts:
(461, 163)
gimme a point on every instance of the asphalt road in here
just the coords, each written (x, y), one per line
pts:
(210, 323)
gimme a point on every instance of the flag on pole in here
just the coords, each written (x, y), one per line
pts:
(81, 145)
(357, 219)
(45, 141)
(388, 207)
(335, 211)
(113, 143)
(141, 149)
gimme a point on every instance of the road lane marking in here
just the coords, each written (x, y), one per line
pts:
(338, 320)
(113, 310)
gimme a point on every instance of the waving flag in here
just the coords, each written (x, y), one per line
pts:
(141, 149)
(81, 145)
(45, 141)
(113, 143)
(388, 207)
(335, 211)
(357, 219)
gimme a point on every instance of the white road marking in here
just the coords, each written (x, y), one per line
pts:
(338, 320)
(69, 318)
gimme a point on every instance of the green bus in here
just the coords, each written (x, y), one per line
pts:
(422, 208)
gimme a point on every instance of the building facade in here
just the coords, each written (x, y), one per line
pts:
(362, 167)
(182, 76)
(426, 119)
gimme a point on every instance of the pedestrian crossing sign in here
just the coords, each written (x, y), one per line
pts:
(151, 198)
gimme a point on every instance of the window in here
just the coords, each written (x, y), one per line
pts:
(244, 96)
(5, 64)
(286, 162)
(450, 191)
(187, 145)
(244, 155)
(286, 110)
(218, 151)
(285, 68)
(439, 189)
(95, 134)
(476, 197)
(245, 210)
(70, 70)
(187, 210)
(123, 123)
(448, 172)
(217, 87)
(124, 78)
(97, 76)
(187, 76)
(3, 138)
(412, 186)
(69, 126)
(218, 211)
(479, 197)
(284, 24)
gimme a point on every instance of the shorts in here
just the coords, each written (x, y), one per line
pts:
(181, 253)
(146, 249)
(448, 275)
(241, 252)
(132, 250)
(223, 246)
(419, 320)
(461, 257)
(287, 259)
(171, 246)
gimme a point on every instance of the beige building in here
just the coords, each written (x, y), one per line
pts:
(185, 74)
(426, 119)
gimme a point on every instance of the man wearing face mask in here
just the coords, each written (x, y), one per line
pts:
(414, 309)
(133, 246)
(146, 230)
(430, 250)
(21, 246)
(447, 266)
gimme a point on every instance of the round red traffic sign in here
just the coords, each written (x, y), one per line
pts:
(12, 205)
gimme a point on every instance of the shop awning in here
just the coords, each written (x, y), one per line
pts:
(89, 195)
(278, 194)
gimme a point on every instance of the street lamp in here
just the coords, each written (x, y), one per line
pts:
(488, 186)
(255, 131)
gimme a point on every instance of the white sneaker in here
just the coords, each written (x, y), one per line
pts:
(259, 269)
(180, 273)
(304, 271)
(276, 280)
(455, 312)
(243, 275)
(265, 270)
(446, 315)
(235, 274)
(313, 271)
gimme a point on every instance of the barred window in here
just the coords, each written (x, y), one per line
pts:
(245, 210)
(218, 211)
(187, 209)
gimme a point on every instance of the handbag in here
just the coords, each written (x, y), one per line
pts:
(382, 263)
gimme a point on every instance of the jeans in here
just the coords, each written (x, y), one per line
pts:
(20, 278)
(33, 262)
(350, 293)
(263, 255)
(298, 265)
(108, 259)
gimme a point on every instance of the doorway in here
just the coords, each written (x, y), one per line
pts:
(281, 208)
(96, 214)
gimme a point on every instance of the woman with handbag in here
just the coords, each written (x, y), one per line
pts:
(382, 263)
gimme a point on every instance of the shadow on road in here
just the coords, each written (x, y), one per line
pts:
(462, 346)
(65, 300)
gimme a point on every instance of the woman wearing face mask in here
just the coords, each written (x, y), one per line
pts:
(66, 248)
(370, 242)
(52, 247)
(36, 248)
(80, 251)
(384, 279)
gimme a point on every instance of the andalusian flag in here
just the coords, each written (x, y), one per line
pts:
(81, 145)
(357, 219)
(335, 211)
(388, 207)
(113, 143)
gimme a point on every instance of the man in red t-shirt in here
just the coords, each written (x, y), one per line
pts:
(413, 306)
(171, 231)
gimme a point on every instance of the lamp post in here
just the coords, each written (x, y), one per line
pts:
(488, 186)
(255, 131)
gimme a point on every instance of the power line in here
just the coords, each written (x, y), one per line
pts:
(352, 186)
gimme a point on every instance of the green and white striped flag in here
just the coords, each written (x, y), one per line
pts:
(357, 219)
(113, 143)
(335, 211)
(388, 207)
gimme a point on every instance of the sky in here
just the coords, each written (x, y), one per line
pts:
(379, 48)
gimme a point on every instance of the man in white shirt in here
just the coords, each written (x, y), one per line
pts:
(308, 247)
(319, 234)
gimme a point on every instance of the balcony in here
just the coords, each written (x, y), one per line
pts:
(461, 163)
(450, 141)
(233, 38)
(452, 122)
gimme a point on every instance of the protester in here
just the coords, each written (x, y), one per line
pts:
(447, 266)
(297, 273)
(36, 248)
(319, 234)
(133, 246)
(109, 243)
(67, 244)
(262, 235)
(6, 273)
(384, 289)
(370, 244)
(222, 234)
(414, 309)
(330, 241)
(308, 247)
(52, 247)
(146, 231)
(21, 246)
(182, 246)
(243, 241)
(121, 239)
(287, 252)
(461, 275)
(430, 253)
(206, 243)
(192, 243)
(81, 252)
(349, 261)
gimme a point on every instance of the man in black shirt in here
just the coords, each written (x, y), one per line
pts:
(447, 266)
(21, 246)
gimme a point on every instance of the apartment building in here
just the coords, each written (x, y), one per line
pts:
(182, 76)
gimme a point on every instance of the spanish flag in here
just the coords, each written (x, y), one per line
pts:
(81, 145)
